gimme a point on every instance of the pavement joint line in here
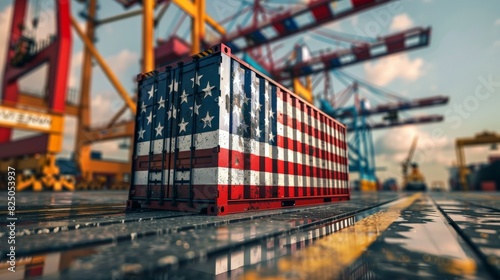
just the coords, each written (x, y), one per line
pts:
(480, 255)
(453, 266)
(479, 205)
(327, 258)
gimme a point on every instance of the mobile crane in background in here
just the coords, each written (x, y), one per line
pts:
(415, 180)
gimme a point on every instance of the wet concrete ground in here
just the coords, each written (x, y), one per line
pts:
(87, 235)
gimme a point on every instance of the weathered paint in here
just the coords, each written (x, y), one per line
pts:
(244, 142)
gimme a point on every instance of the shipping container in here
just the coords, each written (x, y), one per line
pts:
(215, 136)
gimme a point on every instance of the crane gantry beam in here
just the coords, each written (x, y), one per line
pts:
(290, 23)
(396, 106)
(387, 45)
(483, 138)
(412, 120)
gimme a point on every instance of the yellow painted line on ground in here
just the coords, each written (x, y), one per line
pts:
(328, 257)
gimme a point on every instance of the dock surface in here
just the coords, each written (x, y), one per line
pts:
(88, 235)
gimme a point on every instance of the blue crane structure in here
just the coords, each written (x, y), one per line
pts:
(290, 22)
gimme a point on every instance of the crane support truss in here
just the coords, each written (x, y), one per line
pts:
(117, 131)
(104, 66)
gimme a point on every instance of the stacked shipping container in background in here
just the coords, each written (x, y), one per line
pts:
(215, 136)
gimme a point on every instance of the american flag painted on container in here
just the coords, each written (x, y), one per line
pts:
(248, 134)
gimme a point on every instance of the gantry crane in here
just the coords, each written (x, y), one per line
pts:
(280, 26)
(38, 153)
(44, 114)
(303, 65)
(249, 39)
(361, 151)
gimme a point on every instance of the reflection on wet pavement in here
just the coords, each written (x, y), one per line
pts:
(479, 225)
(167, 251)
(330, 256)
(233, 264)
(420, 244)
(151, 245)
(369, 237)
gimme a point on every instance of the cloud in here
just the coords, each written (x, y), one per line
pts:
(355, 20)
(396, 66)
(100, 107)
(82, 25)
(122, 61)
(35, 81)
(103, 103)
(497, 22)
(401, 22)
(46, 27)
(83, 28)
(496, 44)
(75, 70)
(119, 63)
(395, 144)
(46, 23)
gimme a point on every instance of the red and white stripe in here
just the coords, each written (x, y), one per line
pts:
(325, 168)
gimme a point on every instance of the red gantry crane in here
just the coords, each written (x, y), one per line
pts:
(44, 114)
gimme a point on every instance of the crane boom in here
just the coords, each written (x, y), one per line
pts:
(406, 163)
(395, 106)
(411, 152)
(414, 120)
(387, 45)
(290, 23)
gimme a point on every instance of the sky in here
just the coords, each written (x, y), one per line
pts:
(461, 62)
